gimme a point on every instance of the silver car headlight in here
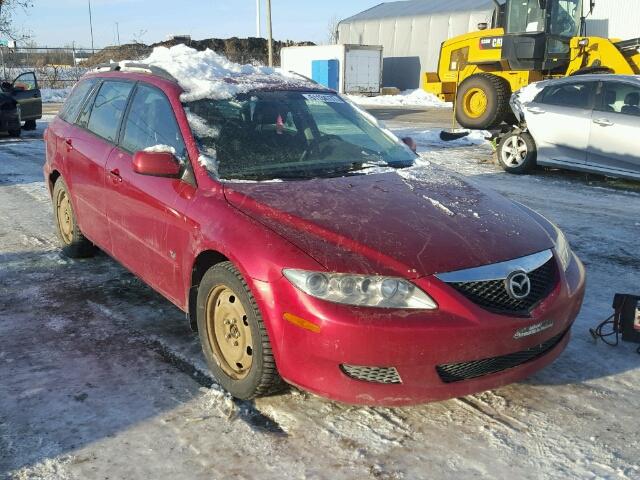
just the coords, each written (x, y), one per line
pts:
(360, 290)
(563, 249)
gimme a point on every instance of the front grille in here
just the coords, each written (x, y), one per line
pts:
(492, 294)
(372, 374)
(456, 372)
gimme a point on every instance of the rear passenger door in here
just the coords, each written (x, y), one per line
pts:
(559, 119)
(149, 230)
(87, 147)
(615, 130)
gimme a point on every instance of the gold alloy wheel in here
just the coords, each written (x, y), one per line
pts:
(474, 103)
(65, 217)
(228, 332)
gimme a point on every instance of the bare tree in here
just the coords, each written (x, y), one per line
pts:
(332, 30)
(139, 36)
(7, 8)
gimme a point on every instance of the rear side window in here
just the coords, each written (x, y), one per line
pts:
(619, 97)
(108, 108)
(574, 95)
(151, 122)
(72, 106)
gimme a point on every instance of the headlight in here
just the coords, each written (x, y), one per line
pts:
(563, 249)
(360, 290)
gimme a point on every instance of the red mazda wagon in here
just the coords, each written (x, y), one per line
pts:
(306, 243)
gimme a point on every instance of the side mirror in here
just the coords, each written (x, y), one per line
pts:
(411, 143)
(592, 6)
(7, 86)
(156, 164)
(483, 26)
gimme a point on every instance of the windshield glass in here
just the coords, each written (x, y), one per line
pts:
(525, 16)
(565, 18)
(289, 135)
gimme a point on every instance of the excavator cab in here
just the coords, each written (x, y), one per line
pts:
(538, 33)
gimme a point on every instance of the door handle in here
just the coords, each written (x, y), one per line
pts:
(115, 175)
(603, 122)
(69, 143)
(536, 110)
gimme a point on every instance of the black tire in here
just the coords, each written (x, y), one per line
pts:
(14, 133)
(74, 244)
(497, 91)
(262, 378)
(30, 125)
(522, 162)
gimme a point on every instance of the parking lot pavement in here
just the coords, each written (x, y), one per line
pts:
(101, 377)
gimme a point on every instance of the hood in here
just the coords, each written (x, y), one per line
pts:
(411, 222)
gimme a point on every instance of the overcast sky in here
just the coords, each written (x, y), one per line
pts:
(60, 22)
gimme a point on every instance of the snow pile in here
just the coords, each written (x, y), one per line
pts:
(408, 98)
(161, 149)
(207, 74)
(54, 95)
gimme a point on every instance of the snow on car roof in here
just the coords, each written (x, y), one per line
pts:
(207, 74)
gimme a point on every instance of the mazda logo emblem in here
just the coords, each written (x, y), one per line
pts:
(518, 285)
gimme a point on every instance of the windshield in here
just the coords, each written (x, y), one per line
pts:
(291, 135)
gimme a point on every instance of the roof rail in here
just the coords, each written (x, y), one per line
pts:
(134, 67)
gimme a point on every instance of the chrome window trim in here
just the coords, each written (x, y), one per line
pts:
(497, 271)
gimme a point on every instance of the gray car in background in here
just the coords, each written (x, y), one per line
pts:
(589, 123)
(25, 91)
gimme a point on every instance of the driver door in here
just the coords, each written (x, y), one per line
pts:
(560, 121)
(26, 92)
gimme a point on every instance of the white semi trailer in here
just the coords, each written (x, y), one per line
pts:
(345, 68)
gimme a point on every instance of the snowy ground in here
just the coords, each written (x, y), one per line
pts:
(101, 378)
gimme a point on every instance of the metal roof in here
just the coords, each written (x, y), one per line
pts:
(413, 8)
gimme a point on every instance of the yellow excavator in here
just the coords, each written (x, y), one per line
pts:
(530, 40)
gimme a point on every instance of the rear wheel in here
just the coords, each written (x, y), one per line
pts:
(74, 243)
(15, 133)
(233, 335)
(482, 101)
(517, 152)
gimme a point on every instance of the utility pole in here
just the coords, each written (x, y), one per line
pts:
(118, 32)
(91, 27)
(258, 19)
(270, 30)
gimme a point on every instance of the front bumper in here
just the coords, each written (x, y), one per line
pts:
(415, 343)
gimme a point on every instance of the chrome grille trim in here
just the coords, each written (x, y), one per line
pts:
(497, 271)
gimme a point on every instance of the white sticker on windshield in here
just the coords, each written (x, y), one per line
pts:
(322, 98)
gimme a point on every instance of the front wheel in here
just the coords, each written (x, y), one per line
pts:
(30, 125)
(517, 152)
(482, 101)
(233, 335)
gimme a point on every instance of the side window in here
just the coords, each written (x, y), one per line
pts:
(574, 95)
(108, 107)
(151, 122)
(72, 106)
(619, 97)
(25, 82)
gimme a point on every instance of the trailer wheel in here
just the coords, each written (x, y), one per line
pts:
(482, 101)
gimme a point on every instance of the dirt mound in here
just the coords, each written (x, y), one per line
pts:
(238, 50)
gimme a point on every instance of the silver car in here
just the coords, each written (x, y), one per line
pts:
(589, 123)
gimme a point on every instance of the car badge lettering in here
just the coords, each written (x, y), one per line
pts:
(533, 329)
(518, 285)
